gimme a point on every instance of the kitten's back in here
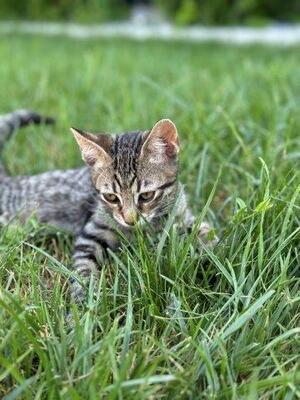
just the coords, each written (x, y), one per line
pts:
(60, 198)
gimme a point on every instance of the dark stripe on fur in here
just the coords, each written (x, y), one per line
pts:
(167, 185)
(83, 248)
(95, 239)
(118, 181)
(86, 256)
(101, 226)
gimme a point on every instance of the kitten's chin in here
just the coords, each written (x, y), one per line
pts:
(121, 222)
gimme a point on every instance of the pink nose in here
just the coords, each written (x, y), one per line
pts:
(130, 216)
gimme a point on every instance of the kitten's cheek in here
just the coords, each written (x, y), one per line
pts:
(146, 218)
(120, 220)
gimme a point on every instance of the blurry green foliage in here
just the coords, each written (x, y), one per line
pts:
(182, 12)
(222, 12)
(77, 10)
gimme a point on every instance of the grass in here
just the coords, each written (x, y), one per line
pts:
(168, 322)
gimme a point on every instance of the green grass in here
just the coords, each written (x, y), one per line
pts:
(168, 322)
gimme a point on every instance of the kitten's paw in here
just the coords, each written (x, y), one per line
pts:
(70, 321)
(207, 235)
(78, 293)
(82, 292)
(4, 219)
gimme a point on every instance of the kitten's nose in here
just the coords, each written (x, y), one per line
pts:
(130, 216)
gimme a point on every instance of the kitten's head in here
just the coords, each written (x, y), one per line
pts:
(134, 173)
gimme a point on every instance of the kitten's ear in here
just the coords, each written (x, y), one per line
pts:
(162, 141)
(91, 148)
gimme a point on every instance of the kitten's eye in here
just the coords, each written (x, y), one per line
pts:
(146, 196)
(110, 197)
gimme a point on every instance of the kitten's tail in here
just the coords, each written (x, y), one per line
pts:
(12, 121)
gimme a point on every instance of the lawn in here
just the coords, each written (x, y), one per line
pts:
(168, 321)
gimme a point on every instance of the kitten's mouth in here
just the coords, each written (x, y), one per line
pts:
(128, 225)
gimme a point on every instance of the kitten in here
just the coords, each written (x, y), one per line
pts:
(128, 179)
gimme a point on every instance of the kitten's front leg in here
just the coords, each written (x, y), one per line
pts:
(206, 232)
(90, 250)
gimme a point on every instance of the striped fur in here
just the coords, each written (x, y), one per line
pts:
(12, 121)
(129, 179)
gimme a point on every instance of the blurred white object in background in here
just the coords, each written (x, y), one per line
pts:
(277, 34)
(145, 14)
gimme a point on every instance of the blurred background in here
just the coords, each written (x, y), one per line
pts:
(227, 72)
(181, 12)
(80, 65)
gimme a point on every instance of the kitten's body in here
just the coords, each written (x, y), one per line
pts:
(93, 202)
(60, 198)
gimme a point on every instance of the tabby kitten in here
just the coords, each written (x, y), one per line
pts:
(129, 179)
